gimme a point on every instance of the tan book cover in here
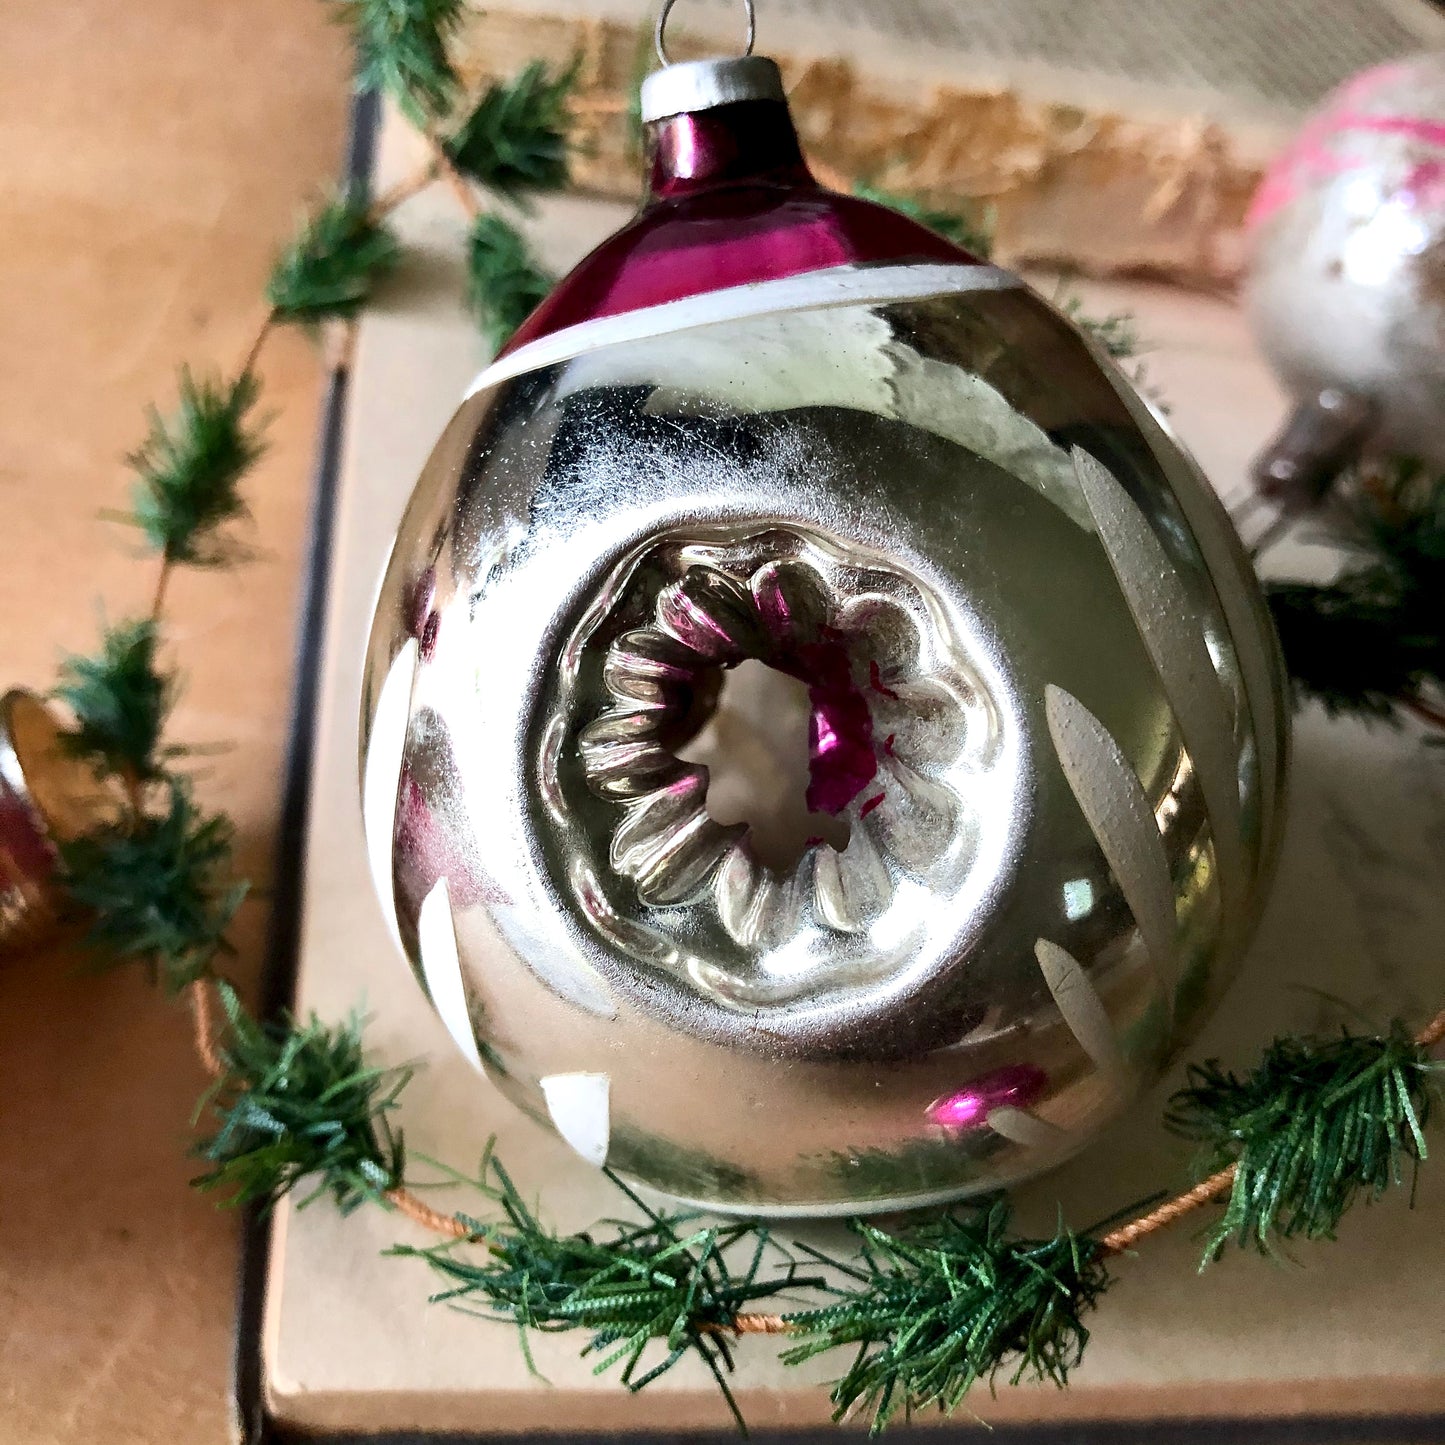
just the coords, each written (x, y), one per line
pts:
(348, 1343)
(1105, 135)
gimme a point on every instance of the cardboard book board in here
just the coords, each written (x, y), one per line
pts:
(339, 1343)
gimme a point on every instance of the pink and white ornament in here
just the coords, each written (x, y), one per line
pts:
(1346, 284)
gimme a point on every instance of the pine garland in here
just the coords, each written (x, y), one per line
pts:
(929, 1311)
(664, 1281)
(1318, 1123)
(401, 51)
(514, 140)
(332, 266)
(120, 701)
(1117, 332)
(504, 281)
(948, 1303)
(156, 887)
(1373, 640)
(189, 469)
(297, 1102)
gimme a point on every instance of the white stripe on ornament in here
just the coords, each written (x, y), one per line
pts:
(1112, 800)
(1019, 1126)
(442, 968)
(836, 286)
(384, 749)
(1169, 627)
(1082, 1009)
(1260, 663)
(581, 1109)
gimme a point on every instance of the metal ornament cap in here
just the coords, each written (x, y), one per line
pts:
(698, 85)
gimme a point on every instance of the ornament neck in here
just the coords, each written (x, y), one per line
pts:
(749, 142)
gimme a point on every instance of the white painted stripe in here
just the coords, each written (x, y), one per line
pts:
(382, 774)
(1113, 802)
(835, 286)
(581, 1109)
(1019, 1126)
(1169, 627)
(1260, 664)
(1082, 1008)
(442, 969)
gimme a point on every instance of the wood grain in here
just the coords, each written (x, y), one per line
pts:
(152, 156)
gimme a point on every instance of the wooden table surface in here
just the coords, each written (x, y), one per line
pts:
(152, 156)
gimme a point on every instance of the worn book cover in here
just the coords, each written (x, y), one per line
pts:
(347, 1344)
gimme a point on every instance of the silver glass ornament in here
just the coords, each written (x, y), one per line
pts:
(1047, 724)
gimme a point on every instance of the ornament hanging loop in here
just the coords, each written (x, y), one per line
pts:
(660, 38)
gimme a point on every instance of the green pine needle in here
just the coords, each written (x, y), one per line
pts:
(189, 470)
(401, 51)
(1117, 332)
(158, 887)
(650, 1293)
(504, 281)
(1377, 632)
(1318, 1122)
(1354, 645)
(514, 141)
(970, 226)
(1403, 514)
(120, 702)
(949, 1303)
(331, 266)
(298, 1102)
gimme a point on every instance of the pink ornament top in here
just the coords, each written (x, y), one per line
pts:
(730, 200)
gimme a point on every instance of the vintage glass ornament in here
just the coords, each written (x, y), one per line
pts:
(1346, 284)
(768, 422)
(48, 796)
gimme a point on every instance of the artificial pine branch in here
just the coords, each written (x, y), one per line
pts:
(662, 1282)
(970, 225)
(514, 140)
(401, 51)
(1117, 332)
(951, 1302)
(189, 470)
(157, 887)
(1376, 634)
(1349, 644)
(504, 281)
(333, 263)
(1317, 1123)
(1402, 511)
(120, 701)
(298, 1102)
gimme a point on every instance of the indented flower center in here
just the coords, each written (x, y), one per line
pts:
(790, 836)
(841, 756)
(761, 750)
(771, 763)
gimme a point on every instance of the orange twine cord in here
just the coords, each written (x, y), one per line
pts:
(1117, 1241)
(1217, 1185)
(420, 1212)
(207, 1034)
